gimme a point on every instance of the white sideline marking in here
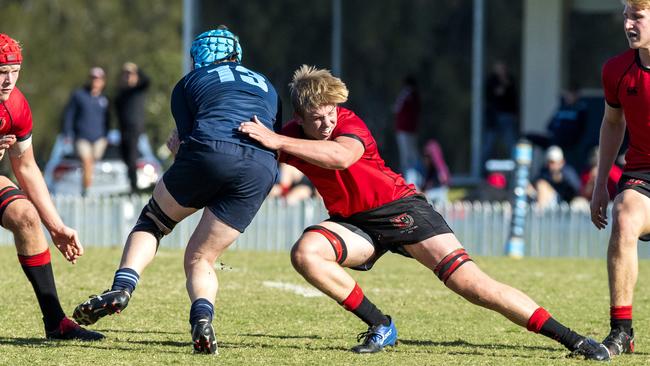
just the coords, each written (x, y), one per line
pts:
(296, 289)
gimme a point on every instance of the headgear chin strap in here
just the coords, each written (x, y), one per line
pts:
(214, 46)
(10, 53)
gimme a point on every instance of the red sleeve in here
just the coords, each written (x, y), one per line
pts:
(290, 129)
(610, 79)
(350, 125)
(22, 118)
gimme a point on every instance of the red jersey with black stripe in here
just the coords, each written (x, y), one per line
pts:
(15, 116)
(365, 185)
(627, 85)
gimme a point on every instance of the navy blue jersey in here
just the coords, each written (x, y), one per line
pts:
(209, 103)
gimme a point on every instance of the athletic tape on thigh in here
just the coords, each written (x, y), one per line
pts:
(340, 249)
(7, 195)
(450, 263)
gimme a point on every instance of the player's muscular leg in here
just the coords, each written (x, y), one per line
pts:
(141, 246)
(315, 259)
(21, 218)
(211, 238)
(472, 283)
(631, 219)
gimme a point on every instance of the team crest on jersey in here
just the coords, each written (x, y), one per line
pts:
(632, 90)
(634, 182)
(402, 221)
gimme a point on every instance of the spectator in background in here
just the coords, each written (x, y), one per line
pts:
(129, 103)
(567, 125)
(435, 182)
(407, 118)
(502, 108)
(557, 181)
(494, 189)
(293, 186)
(86, 119)
(588, 178)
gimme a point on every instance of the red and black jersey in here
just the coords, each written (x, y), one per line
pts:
(15, 116)
(627, 85)
(364, 185)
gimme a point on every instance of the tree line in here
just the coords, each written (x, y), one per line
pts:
(382, 42)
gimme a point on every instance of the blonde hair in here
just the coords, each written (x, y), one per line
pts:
(639, 4)
(311, 88)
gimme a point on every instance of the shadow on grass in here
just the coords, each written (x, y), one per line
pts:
(135, 331)
(233, 345)
(185, 346)
(462, 343)
(182, 347)
(178, 344)
(31, 342)
(280, 336)
(24, 341)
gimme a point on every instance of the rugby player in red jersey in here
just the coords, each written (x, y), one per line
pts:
(626, 81)
(372, 211)
(22, 211)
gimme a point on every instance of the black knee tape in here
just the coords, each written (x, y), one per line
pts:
(153, 220)
(450, 263)
(340, 249)
(9, 194)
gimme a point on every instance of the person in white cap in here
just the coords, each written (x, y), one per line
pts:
(557, 181)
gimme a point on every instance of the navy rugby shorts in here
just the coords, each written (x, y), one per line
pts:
(231, 180)
(638, 181)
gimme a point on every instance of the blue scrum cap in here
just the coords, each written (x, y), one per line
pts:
(214, 46)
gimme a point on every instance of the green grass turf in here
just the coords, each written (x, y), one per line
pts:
(258, 325)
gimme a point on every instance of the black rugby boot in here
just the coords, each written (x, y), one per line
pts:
(203, 338)
(619, 341)
(98, 306)
(69, 330)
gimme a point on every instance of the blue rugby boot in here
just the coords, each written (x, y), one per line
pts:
(376, 338)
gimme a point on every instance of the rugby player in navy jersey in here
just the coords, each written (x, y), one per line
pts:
(215, 167)
(372, 211)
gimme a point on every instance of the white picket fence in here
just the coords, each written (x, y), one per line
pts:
(483, 228)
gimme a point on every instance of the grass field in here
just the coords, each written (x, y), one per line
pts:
(261, 325)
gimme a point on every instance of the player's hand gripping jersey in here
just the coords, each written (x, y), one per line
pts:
(364, 185)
